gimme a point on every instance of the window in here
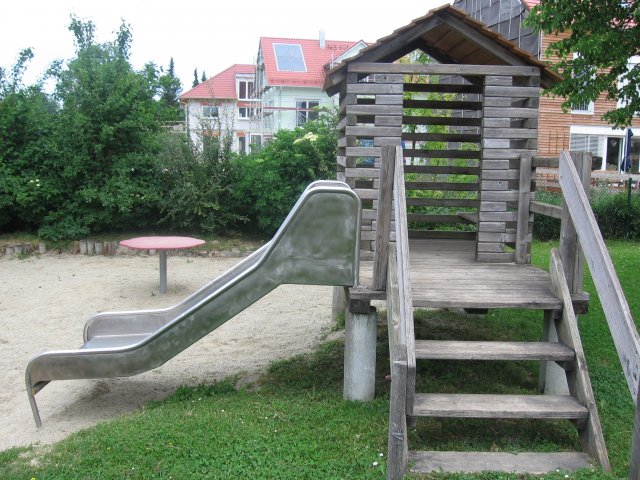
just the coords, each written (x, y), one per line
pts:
(580, 142)
(245, 112)
(306, 110)
(210, 112)
(242, 144)
(256, 142)
(583, 108)
(245, 89)
(289, 57)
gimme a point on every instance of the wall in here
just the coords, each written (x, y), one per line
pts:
(283, 100)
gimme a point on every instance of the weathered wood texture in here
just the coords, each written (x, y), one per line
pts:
(398, 445)
(476, 462)
(578, 378)
(466, 350)
(383, 225)
(405, 288)
(614, 303)
(509, 133)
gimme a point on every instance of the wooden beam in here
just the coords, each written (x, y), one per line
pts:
(383, 226)
(443, 69)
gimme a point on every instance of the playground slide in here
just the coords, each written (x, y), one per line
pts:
(318, 244)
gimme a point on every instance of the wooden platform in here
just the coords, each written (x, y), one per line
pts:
(445, 274)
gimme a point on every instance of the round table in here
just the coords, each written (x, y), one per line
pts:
(162, 244)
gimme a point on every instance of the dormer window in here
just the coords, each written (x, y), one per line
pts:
(245, 89)
(289, 57)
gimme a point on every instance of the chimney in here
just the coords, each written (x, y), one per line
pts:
(323, 42)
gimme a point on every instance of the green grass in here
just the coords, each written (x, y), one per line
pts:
(294, 424)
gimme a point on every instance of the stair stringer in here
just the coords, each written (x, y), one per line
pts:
(578, 380)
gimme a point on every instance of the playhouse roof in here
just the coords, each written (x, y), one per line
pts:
(450, 36)
(220, 86)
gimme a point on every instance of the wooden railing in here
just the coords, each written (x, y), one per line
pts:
(400, 322)
(614, 303)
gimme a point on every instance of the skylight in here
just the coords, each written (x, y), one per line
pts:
(289, 57)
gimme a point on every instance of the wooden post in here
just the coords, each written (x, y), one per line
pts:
(570, 253)
(338, 304)
(634, 461)
(360, 355)
(383, 225)
(523, 239)
(398, 444)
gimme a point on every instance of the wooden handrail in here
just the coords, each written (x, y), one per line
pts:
(614, 304)
(383, 217)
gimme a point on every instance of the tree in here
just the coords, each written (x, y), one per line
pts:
(204, 77)
(170, 89)
(196, 82)
(594, 57)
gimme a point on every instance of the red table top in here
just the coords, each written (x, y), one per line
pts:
(161, 243)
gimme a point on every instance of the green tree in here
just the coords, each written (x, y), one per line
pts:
(28, 155)
(196, 82)
(170, 88)
(108, 136)
(204, 77)
(603, 34)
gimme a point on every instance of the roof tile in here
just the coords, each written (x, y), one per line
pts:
(222, 85)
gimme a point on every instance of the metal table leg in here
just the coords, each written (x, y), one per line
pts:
(163, 271)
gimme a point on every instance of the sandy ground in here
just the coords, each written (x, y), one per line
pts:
(44, 302)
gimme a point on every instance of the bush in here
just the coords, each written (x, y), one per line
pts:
(272, 179)
(199, 186)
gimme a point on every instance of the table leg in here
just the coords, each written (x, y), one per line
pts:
(163, 271)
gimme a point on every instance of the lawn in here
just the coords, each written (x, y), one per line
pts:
(294, 424)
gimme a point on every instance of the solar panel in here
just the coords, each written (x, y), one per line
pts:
(289, 57)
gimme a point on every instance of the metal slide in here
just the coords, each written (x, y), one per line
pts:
(318, 244)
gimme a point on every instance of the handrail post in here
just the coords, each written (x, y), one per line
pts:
(523, 238)
(570, 252)
(383, 219)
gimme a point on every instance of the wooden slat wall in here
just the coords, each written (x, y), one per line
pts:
(370, 117)
(506, 138)
(455, 110)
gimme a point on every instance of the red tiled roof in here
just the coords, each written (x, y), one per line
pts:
(315, 60)
(222, 85)
(530, 3)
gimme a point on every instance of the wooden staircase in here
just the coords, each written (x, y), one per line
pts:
(563, 348)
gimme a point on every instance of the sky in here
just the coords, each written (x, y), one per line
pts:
(208, 35)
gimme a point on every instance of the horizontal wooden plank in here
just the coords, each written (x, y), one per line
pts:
(442, 88)
(545, 162)
(374, 109)
(500, 174)
(373, 131)
(498, 216)
(362, 151)
(510, 133)
(424, 153)
(425, 218)
(504, 91)
(374, 88)
(459, 350)
(496, 237)
(513, 463)
(367, 194)
(442, 69)
(442, 170)
(547, 209)
(362, 173)
(442, 137)
(448, 186)
(442, 202)
(443, 104)
(442, 234)
(499, 406)
(510, 112)
(508, 196)
(424, 120)
(388, 120)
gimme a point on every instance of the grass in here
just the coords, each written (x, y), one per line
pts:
(294, 424)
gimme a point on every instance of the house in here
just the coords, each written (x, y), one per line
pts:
(224, 104)
(289, 78)
(582, 128)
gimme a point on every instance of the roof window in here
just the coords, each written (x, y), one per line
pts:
(289, 57)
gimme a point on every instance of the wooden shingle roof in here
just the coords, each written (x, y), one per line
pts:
(450, 36)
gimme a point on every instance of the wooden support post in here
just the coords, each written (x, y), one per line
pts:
(360, 355)
(523, 239)
(570, 253)
(383, 226)
(338, 305)
(398, 445)
(553, 378)
(634, 461)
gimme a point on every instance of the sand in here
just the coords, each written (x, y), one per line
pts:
(45, 301)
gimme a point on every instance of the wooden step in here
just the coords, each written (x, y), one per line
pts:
(458, 350)
(474, 462)
(498, 406)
